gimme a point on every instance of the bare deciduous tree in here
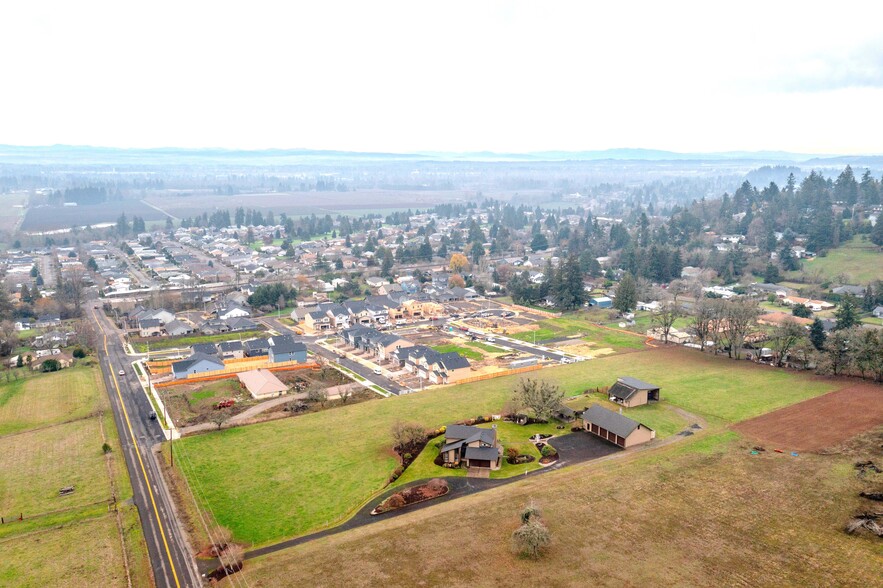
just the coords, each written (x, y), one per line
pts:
(539, 396)
(739, 317)
(407, 436)
(785, 337)
(665, 318)
(220, 416)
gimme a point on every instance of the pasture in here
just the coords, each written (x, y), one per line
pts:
(35, 464)
(86, 553)
(49, 218)
(292, 476)
(855, 262)
(577, 326)
(700, 513)
(46, 399)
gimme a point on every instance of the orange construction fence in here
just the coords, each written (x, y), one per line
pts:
(513, 371)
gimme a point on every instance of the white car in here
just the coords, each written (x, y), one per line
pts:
(378, 372)
(121, 372)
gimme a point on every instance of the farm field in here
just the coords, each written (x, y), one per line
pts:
(51, 437)
(296, 475)
(48, 399)
(85, 553)
(11, 210)
(37, 463)
(859, 262)
(820, 422)
(690, 514)
(48, 218)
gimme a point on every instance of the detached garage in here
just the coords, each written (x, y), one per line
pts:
(614, 427)
(631, 392)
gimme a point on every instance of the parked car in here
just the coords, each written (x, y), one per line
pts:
(490, 340)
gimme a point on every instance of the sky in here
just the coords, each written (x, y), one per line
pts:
(455, 76)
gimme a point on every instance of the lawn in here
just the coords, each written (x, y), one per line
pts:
(576, 326)
(45, 399)
(485, 347)
(467, 353)
(85, 553)
(291, 476)
(509, 434)
(858, 262)
(35, 464)
(704, 512)
(171, 343)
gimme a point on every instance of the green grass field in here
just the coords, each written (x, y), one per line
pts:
(859, 262)
(576, 325)
(83, 553)
(167, 343)
(45, 399)
(467, 353)
(291, 476)
(51, 437)
(485, 347)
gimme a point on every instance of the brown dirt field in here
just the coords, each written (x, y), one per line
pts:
(820, 422)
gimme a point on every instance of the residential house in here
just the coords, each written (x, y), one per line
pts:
(240, 324)
(813, 305)
(262, 384)
(381, 345)
(150, 327)
(318, 321)
(285, 348)
(176, 328)
(616, 428)
(48, 320)
(231, 349)
(631, 392)
(878, 312)
(472, 446)
(857, 291)
(197, 363)
(214, 326)
(64, 360)
(780, 318)
(256, 347)
(205, 348)
(232, 310)
(437, 368)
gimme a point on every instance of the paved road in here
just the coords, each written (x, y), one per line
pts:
(170, 556)
(349, 364)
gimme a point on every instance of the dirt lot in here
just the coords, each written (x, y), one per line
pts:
(820, 422)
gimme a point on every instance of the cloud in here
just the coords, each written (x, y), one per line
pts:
(857, 67)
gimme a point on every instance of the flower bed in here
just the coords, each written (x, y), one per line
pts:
(432, 489)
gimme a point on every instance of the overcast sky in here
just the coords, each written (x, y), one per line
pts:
(447, 76)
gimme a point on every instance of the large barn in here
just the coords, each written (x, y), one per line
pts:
(630, 392)
(614, 427)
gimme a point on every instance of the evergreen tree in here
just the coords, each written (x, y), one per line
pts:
(817, 335)
(846, 314)
(626, 294)
(571, 293)
(539, 242)
(387, 263)
(771, 273)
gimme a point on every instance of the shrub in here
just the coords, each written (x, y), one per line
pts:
(437, 485)
(50, 365)
(531, 538)
(395, 501)
(79, 353)
(407, 456)
(511, 452)
(106, 448)
(547, 451)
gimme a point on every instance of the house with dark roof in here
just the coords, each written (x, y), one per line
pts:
(616, 428)
(474, 447)
(383, 346)
(240, 324)
(205, 348)
(437, 368)
(231, 349)
(176, 328)
(256, 347)
(285, 348)
(630, 392)
(197, 363)
(151, 327)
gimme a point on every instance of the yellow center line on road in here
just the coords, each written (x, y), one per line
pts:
(141, 462)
